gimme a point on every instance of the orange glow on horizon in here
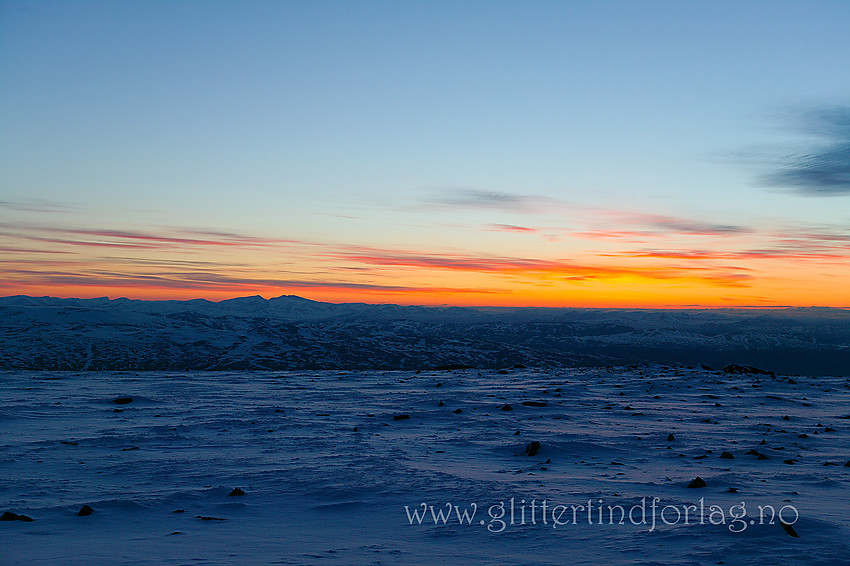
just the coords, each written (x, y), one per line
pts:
(612, 298)
(180, 265)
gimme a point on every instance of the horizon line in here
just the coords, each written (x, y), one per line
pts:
(445, 305)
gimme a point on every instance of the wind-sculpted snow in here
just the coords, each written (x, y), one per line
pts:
(294, 333)
(328, 471)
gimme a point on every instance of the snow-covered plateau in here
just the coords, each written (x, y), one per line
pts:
(518, 466)
(288, 431)
(291, 333)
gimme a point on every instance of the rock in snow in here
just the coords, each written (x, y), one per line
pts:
(9, 516)
(740, 369)
(532, 448)
(789, 529)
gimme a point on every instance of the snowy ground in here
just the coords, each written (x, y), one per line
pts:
(327, 471)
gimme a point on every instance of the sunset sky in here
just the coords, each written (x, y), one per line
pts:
(607, 154)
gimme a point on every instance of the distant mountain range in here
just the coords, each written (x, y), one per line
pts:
(289, 332)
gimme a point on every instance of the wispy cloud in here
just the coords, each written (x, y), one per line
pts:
(791, 254)
(632, 236)
(35, 205)
(109, 238)
(639, 254)
(578, 220)
(823, 169)
(28, 251)
(541, 268)
(88, 263)
(622, 223)
(463, 198)
(226, 240)
(676, 225)
(793, 245)
(213, 281)
(510, 228)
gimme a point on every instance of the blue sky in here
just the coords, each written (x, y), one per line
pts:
(421, 126)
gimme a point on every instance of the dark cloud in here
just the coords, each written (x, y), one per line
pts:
(824, 168)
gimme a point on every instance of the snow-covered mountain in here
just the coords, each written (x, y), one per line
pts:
(290, 332)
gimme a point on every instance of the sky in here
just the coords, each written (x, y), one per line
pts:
(577, 154)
